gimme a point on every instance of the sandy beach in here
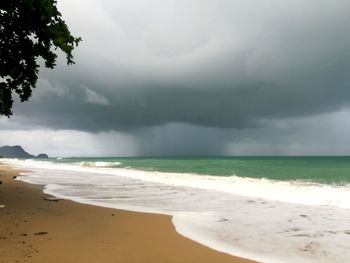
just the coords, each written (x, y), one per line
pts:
(33, 229)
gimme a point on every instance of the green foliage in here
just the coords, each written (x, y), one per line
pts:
(29, 29)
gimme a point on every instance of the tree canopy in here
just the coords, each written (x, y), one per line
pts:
(29, 29)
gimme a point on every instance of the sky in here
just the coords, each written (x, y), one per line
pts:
(194, 77)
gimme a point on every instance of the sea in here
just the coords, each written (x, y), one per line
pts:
(269, 209)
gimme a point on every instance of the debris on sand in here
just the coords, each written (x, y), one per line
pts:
(53, 199)
(40, 233)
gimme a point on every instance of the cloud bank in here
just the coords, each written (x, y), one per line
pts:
(202, 75)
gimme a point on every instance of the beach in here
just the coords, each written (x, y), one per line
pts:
(33, 229)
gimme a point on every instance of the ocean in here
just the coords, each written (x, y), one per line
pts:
(270, 209)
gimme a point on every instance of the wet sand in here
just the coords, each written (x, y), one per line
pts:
(35, 230)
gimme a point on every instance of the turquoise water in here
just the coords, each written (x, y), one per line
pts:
(328, 170)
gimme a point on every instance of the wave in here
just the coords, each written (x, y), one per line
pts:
(299, 221)
(98, 164)
(298, 192)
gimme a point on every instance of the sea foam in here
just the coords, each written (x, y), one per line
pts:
(265, 220)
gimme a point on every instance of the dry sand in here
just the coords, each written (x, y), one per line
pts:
(35, 230)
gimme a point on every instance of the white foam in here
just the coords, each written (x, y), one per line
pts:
(298, 192)
(269, 221)
(99, 164)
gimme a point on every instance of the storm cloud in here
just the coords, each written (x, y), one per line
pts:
(203, 74)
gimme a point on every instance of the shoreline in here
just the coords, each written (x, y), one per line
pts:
(35, 230)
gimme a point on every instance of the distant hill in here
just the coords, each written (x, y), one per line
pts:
(42, 156)
(17, 152)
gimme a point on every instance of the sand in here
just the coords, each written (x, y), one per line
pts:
(35, 230)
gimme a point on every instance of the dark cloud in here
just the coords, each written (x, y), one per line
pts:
(167, 67)
(94, 110)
